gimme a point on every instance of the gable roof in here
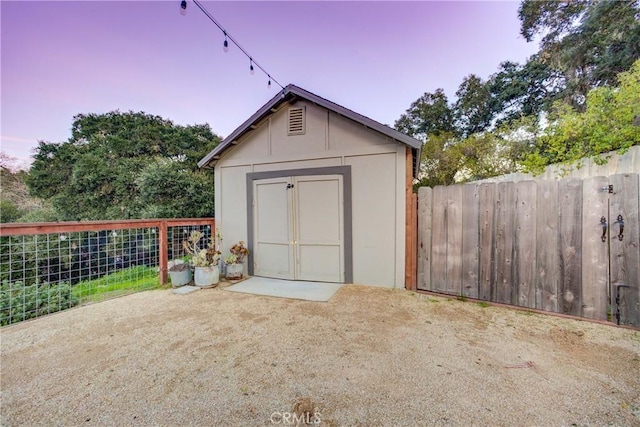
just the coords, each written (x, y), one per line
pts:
(290, 94)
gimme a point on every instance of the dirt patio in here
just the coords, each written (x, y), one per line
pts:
(369, 357)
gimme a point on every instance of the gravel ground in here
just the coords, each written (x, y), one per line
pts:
(369, 357)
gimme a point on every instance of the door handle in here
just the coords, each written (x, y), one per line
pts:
(621, 222)
(603, 221)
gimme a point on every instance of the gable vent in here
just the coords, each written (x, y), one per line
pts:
(296, 121)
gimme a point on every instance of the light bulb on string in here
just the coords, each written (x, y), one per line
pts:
(225, 45)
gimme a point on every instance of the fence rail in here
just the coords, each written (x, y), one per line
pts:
(47, 267)
(570, 246)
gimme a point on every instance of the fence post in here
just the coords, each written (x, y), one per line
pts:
(164, 252)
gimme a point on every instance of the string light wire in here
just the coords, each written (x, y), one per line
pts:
(228, 36)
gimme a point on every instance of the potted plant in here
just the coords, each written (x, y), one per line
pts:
(180, 273)
(203, 259)
(234, 261)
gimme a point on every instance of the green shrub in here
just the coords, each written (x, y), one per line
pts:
(19, 302)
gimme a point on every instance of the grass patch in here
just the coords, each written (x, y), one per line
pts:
(483, 304)
(122, 282)
(461, 298)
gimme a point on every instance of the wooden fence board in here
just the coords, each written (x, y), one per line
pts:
(595, 261)
(535, 244)
(439, 240)
(424, 238)
(505, 230)
(525, 244)
(470, 236)
(454, 239)
(570, 234)
(486, 238)
(625, 255)
(547, 246)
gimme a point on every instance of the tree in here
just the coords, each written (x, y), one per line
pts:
(93, 175)
(611, 121)
(458, 142)
(474, 109)
(167, 189)
(588, 41)
(428, 115)
(15, 201)
(523, 90)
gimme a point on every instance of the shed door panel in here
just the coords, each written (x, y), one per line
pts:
(318, 222)
(273, 254)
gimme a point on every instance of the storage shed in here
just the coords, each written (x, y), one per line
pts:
(317, 191)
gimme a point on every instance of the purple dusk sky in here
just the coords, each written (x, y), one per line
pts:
(59, 59)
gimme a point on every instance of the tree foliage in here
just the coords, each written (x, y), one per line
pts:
(429, 115)
(15, 201)
(167, 189)
(589, 41)
(96, 174)
(566, 102)
(523, 90)
(474, 110)
(611, 121)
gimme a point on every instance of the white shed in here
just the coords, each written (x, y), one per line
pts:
(318, 192)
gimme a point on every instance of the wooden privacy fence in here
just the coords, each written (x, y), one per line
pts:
(569, 246)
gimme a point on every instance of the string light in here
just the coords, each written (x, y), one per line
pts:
(227, 38)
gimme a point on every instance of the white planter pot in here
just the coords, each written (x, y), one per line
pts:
(206, 277)
(234, 271)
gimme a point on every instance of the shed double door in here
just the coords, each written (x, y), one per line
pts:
(299, 228)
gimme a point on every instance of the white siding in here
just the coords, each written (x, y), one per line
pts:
(373, 180)
(231, 204)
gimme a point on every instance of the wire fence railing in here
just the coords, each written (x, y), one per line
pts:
(48, 267)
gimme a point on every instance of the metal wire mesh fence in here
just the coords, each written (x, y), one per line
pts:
(45, 268)
(178, 234)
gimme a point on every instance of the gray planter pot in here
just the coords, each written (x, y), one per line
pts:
(234, 271)
(180, 277)
(206, 277)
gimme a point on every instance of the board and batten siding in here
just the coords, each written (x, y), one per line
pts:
(378, 178)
